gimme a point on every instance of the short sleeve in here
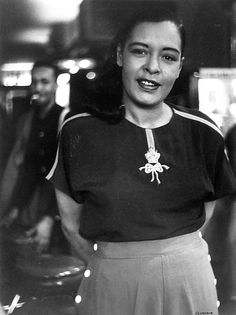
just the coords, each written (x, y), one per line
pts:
(220, 172)
(60, 174)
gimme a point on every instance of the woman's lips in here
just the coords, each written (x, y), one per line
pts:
(148, 84)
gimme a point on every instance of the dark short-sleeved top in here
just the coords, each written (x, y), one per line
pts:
(142, 184)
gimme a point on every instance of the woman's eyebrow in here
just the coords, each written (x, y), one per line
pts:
(137, 44)
(175, 50)
(172, 49)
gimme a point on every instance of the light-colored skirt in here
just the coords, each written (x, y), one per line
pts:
(160, 277)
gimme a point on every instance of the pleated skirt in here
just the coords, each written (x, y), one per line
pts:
(161, 277)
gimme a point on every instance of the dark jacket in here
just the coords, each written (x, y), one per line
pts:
(23, 184)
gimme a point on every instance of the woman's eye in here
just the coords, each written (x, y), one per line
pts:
(170, 58)
(138, 52)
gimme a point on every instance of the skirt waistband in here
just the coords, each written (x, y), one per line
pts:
(171, 245)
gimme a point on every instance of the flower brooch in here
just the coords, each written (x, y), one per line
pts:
(153, 166)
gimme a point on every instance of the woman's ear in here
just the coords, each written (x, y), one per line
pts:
(119, 59)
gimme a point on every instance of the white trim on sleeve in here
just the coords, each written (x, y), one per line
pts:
(197, 118)
(51, 172)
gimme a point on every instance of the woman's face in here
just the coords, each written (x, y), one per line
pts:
(151, 62)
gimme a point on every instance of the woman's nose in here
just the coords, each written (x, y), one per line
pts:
(152, 65)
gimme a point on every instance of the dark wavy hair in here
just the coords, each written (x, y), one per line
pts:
(106, 99)
(47, 64)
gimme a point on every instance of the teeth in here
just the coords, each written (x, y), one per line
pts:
(148, 83)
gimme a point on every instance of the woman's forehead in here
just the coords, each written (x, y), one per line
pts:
(165, 31)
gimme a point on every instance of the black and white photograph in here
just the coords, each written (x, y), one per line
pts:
(118, 157)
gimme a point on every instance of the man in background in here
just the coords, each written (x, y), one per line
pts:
(27, 200)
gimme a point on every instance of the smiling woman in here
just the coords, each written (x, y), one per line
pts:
(137, 177)
(151, 61)
(166, 48)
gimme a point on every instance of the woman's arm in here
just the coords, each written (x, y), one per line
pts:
(70, 212)
(209, 209)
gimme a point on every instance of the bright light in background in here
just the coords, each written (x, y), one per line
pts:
(16, 79)
(212, 95)
(232, 109)
(9, 81)
(74, 69)
(91, 75)
(63, 95)
(16, 74)
(17, 66)
(78, 299)
(67, 64)
(24, 79)
(74, 65)
(63, 90)
(233, 86)
(49, 11)
(213, 99)
(86, 63)
(34, 35)
(46, 13)
(63, 79)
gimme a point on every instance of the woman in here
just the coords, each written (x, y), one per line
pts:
(134, 179)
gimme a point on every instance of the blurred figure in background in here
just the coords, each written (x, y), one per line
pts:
(6, 137)
(27, 200)
(230, 141)
(220, 234)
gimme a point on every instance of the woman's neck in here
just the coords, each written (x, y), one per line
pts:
(149, 117)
